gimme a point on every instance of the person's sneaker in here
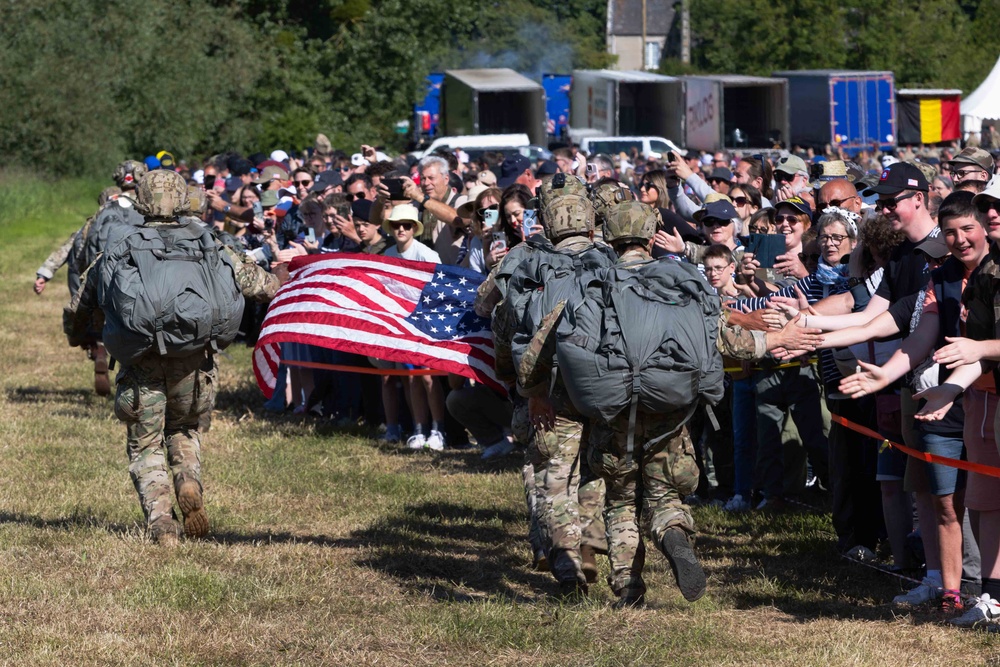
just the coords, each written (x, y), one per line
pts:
(497, 449)
(861, 553)
(193, 508)
(416, 441)
(391, 436)
(986, 610)
(737, 504)
(684, 563)
(928, 590)
(435, 441)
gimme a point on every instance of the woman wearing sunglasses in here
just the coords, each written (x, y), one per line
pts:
(485, 212)
(653, 189)
(746, 201)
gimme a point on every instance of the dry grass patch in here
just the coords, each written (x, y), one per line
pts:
(328, 548)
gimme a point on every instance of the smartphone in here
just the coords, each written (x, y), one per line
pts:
(490, 218)
(311, 235)
(765, 248)
(209, 181)
(591, 169)
(672, 156)
(529, 220)
(258, 210)
(395, 186)
(499, 241)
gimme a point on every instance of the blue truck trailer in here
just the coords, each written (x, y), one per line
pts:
(844, 108)
(557, 87)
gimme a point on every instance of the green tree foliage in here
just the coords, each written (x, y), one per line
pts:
(925, 42)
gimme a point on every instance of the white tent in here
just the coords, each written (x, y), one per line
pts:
(983, 102)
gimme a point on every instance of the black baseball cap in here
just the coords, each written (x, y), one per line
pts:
(511, 168)
(326, 179)
(719, 209)
(898, 177)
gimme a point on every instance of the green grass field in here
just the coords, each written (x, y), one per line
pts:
(330, 549)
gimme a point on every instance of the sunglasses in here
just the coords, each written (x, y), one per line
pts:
(892, 203)
(346, 168)
(715, 222)
(351, 196)
(790, 219)
(833, 202)
(716, 181)
(986, 205)
(303, 184)
(482, 211)
(741, 201)
(782, 177)
(402, 225)
(811, 257)
(647, 186)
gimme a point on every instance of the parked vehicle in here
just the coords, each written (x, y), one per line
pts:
(849, 109)
(492, 101)
(654, 147)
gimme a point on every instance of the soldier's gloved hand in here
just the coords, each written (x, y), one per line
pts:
(40, 284)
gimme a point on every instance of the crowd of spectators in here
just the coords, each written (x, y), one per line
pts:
(844, 243)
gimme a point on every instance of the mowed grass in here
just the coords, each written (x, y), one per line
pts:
(330, 549)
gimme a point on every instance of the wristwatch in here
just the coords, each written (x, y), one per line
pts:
(424, 202)
(226, 209)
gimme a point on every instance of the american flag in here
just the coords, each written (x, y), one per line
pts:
(384, 307)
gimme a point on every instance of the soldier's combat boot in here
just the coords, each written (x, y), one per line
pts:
(165, 532)
(687, 570)
(193, 507)
(630, 599)
(102, 383)
(589, 557)
(541, 563)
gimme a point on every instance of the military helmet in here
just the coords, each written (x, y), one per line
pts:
(928, 170)
(128, 173)
(107, 194)
(605, 196)
(563, 207)
(162, 195)
(196, 196)
(630, 221)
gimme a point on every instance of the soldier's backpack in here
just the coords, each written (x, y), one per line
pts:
(545, 279)
(644, 338)
(93, 237)
(168, 290)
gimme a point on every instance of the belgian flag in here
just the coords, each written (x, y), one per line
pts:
(928, 117)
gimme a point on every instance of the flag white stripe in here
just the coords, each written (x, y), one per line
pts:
(362, 288)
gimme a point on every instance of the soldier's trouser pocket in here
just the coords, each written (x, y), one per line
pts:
(128, 398)
(204, 389)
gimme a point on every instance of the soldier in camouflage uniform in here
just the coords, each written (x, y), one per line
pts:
(62, 254)
(491, 303)
(667, 470)
(570, 498)
(160, 399)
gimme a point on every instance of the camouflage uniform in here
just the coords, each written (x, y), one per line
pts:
(490, 302)
(55, 261)
(161, 399)
(571, 497)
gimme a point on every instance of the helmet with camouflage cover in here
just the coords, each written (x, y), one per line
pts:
(107, 194)
(162, 195)
(128, 173)
(605, 196)
(196, 195)
(564, 208)
(928, 170)
(630, 221)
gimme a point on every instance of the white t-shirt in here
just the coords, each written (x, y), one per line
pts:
(417, 252)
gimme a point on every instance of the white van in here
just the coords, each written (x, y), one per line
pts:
(479, 141)
(651, 147)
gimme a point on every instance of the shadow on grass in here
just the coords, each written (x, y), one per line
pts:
(40, 395)
(789, 562)
(81, 520)
(450, 552)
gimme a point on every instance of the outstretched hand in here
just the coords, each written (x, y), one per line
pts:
(939, 401)
(869, 380)
(959, 352)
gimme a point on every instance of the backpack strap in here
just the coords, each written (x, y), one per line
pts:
(211, 259)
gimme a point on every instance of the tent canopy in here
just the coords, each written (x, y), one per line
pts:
(983, 102)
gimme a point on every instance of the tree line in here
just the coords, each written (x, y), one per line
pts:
(86, 83)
